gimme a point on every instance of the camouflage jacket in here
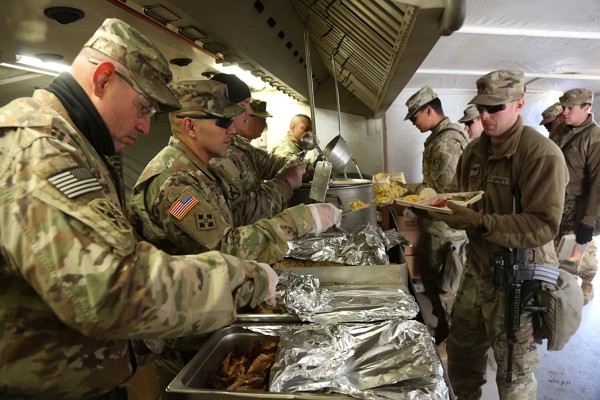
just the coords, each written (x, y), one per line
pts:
(529, 164)
(178, 205)
(582, 156)
(250, 184)
(443, 147)
(75, 283)
(287, 148)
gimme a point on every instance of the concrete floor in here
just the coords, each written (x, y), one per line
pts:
(571, 373)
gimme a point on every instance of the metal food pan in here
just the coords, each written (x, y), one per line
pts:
(191, 380)
(384, 276)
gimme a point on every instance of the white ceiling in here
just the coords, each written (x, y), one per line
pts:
(552, 62)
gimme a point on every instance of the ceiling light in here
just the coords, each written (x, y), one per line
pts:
(34, 64)
(486, 30)
(250, 80)
(432, 71)
(161, 14)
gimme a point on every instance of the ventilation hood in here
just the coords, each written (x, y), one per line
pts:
(377, 45)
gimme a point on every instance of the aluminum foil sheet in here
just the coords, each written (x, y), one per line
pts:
(303, 297)
(390, 360)
(367, 245)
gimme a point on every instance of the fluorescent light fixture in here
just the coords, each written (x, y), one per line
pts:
(582, 77)
(485, 30)
(249, 79)
(34, 64)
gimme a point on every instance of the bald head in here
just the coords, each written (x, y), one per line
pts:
(300, 125)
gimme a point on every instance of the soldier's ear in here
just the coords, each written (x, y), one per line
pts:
(101, 75)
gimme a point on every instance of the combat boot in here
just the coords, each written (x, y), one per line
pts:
(588, 291)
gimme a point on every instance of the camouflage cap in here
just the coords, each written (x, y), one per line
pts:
(207, 96)
(419, 99)
(499, 87)
(148, 67)
(259, 108)
(550, 113)
(575, 97)
(470, 114)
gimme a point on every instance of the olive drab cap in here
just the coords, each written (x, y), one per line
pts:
(499, 87)
(575, 97)
(470, 114)
(419, 99)
(550, 113)
(259, 108)
(207, 96)
(148, 67)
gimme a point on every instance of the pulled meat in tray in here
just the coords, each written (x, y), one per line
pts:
(245, 370)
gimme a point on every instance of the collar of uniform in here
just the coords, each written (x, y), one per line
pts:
(507, 149)
(180, 146)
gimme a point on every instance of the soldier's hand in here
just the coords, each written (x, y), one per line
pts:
(461, 217)
(273, 279)
(292, 172)
(584, 234)
(325, 215)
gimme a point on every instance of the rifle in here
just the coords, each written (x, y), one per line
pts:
(521, 279)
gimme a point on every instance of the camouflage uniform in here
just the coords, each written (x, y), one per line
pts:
(443, 147)
(76, 284)
(582, 197)
(176, 174)
(469, 114)
(250, 183)
(287, 148)
(550, 113)
(535, 165)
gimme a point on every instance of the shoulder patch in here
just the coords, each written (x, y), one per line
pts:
(75, 182)
(183, 205)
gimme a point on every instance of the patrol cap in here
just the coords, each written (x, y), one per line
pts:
(575, 97)
(499, 87)
(470, 114)
(207, 96)
(236, 87)
(259, 108)
(419, 99)
(148, 67)
(550, 113)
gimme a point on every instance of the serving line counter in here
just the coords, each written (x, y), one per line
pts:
(377, 358)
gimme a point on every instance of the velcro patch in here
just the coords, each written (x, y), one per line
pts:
(75, 182)
(206, 222)
(183, 205)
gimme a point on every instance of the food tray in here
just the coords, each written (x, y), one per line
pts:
(426, 204)
(392, 275)
(191, 380)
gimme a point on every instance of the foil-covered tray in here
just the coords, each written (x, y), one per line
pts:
(392, 276)
(390, 360)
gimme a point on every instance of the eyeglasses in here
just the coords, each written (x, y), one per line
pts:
(469, 123)
(490, 109)
(222, 122)
(146, 107)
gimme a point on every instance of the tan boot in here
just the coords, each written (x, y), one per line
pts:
(588, 291)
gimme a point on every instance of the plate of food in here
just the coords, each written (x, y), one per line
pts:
(439, 202)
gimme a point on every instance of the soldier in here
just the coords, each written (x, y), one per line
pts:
(290, 146)
(517, 168)
(472, 122)
(442, 150)
(579, 139)
(256, 184)
(180, 173)
(76, 282)
(177, 203)
(257, 123)
(552, 116)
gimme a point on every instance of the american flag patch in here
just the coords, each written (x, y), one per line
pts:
(75, 182)
(183, 205)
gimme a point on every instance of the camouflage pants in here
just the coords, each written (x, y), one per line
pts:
(477, 325)
(437, 245)
(588, 266)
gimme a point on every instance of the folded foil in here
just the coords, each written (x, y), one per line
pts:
(366, 245)
(395, 359)
(303, 296)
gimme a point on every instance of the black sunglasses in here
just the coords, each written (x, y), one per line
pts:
(469, 123)
(222, 122)
(490, 109)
